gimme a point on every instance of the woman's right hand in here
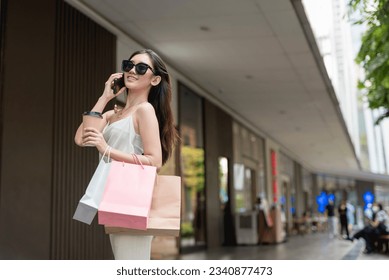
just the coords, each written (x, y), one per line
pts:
(100, 105)
(108, 91)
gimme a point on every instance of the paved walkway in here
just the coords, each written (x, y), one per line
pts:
(313, 246)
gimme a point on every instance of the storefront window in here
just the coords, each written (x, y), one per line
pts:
(288, 190)
(307, 191)
(244, 189)
(249, 168)
(192, 165)
(382, 194)
(287, 174)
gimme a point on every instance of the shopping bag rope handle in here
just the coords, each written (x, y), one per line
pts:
(137, 160)
(109, 152)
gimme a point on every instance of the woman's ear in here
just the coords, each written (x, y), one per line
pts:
(155, 81)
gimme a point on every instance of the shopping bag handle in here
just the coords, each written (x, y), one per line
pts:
(137, 160)
(109, 152)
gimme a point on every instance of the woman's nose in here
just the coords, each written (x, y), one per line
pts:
(132, 70)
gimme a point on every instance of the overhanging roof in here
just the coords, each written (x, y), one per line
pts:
(256, 57)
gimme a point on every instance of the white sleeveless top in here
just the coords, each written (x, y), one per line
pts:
(121, 135)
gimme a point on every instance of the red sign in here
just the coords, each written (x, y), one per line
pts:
(273, 158)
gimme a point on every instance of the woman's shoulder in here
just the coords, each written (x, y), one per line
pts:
(146, 106)
(145, 109)
(107, 115)
(144, 115)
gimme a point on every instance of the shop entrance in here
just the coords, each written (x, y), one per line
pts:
(245, 200)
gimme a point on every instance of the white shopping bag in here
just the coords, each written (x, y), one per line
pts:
(89, 203)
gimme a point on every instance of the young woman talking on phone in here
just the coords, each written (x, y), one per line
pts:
(144, 127)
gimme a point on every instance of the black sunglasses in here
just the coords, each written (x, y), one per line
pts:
(140, 68)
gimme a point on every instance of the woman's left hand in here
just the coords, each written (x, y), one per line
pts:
(93, 137)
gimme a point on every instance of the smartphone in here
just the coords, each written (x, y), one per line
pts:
(118, 84)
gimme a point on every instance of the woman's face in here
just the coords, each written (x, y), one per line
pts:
(135, 81)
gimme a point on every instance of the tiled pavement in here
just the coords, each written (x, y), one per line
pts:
(313, 246)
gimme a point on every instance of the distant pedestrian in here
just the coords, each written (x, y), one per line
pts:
(342, 210)
(331, 219)
(350, 216)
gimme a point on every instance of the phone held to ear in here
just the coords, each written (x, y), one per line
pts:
(118, 84)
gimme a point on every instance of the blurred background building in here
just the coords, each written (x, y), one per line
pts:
(339, 41)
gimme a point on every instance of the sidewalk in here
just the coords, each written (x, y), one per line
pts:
(314, 246)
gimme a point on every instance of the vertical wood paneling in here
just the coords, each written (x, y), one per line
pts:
(2, 41)
(85, 57)
(28, 34)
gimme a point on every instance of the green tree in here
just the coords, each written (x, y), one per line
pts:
(373, 54)
(193, 163)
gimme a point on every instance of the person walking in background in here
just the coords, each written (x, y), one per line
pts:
(144, 127)
(342, 210)
(331, 219)
(350, 216)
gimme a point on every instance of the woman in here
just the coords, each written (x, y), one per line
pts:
(144, 127)
(342, 209)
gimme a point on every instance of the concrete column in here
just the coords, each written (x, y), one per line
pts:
(298, 177)
(315, 192)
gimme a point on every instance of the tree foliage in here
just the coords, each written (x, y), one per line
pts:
(193, 166)
(373, 54)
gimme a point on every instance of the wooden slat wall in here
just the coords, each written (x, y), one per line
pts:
(3, 13)
(85, 57)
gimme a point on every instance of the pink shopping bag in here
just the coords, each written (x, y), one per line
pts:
(127, 197)
(165, 211)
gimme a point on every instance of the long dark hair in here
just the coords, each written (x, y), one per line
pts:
(160, 97)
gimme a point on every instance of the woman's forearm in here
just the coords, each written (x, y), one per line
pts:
(100, 104)
(99, 107)
(129, 158)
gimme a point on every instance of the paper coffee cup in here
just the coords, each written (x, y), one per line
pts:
(93, 119)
